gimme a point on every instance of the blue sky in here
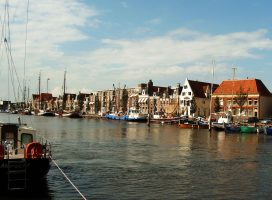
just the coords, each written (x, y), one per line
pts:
(101, 42)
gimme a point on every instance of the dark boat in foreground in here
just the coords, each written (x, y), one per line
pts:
(23, 158)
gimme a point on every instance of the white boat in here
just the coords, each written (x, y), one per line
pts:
(222, 122)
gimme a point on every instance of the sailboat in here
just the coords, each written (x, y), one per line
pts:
(24, 156)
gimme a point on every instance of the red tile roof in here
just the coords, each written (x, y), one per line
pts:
(200, 88)
(249, 86)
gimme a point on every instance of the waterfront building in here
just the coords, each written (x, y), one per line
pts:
(154, 99)
(43, 101)
(69, 102)
(244, 98)
(195, 98)
(91, 109)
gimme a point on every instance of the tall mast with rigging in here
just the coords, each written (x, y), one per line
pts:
(210, 118)
(64, 87)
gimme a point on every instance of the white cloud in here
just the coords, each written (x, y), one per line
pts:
(167, 59)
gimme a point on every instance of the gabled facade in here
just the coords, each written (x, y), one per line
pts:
(258, 102)
(201, 91)
(154, 99)
(42, 101)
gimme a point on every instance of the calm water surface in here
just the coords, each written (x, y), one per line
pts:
(119, 160)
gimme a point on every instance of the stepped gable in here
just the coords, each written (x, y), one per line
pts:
(200, 88)
(249, 86)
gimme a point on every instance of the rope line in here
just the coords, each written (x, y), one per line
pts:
(68, 179)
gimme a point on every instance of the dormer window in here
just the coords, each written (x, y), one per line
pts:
(143, 92)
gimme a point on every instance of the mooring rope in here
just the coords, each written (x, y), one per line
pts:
(69, 179)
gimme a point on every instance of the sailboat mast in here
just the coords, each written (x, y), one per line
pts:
(64, 86)
(210, 120)
(233, 77)
(40, 98)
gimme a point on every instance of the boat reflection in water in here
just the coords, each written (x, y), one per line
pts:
(154, 162)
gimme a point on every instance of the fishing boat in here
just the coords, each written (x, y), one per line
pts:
(160, 118)
(188, 125)
(134, 115)
(222, 122)
(72, 115)
(248, 129)
(47, 113)
(268, 130)
(232, 128)
(114, 116)
(24, 157)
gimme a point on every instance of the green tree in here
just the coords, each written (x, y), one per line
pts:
(137, 106)
(110, 105)
(97, 104)
(240, 99)
(216, 105)
(80, 100)
(124, 100)
(193, 106)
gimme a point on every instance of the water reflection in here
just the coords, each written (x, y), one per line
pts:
(119, 160)
(38, 190)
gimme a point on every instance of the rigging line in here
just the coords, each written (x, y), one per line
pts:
(10, 76)
(24, 81)
(14, 69)
(68, 179)
(12, 63)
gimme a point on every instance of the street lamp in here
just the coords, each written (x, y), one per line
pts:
(47, 84)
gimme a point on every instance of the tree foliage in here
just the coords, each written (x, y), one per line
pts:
(193, 106)
(124, 100)
(216, 105)
(240, 99)
(97, 104)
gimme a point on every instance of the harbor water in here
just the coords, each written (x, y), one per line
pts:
(120, 160)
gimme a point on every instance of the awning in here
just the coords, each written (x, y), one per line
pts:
(142, 100)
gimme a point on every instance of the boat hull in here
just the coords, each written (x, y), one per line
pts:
(248, 129)
(113, 117)
(174, 120)
(194, 126)
(232, 129)
(138, 119)
(35, 171)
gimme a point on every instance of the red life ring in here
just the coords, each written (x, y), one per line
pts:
(2, 151)
(34, 150)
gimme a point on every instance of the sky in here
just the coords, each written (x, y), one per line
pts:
(104, 42)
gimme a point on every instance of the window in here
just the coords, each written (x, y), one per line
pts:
(185, 86)
(189, 93)
(250, 113)
(229, 102)
(26, 138)
(249, 102)
(255, 102)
